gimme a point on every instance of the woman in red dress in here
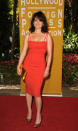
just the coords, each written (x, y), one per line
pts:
(38, 41)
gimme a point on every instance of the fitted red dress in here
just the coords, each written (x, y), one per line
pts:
(34, 64)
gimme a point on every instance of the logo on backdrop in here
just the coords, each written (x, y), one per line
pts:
(52, 9)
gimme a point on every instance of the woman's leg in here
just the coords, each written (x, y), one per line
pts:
(29, 103)
(38, 101)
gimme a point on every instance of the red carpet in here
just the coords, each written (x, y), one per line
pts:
(59, 114)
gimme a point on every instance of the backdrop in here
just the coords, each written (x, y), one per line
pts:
(54, 11)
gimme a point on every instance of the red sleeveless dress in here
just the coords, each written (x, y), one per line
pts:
(35, 64)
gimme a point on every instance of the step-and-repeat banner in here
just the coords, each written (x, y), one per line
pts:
(54, 11)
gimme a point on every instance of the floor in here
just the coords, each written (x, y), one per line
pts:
(60, 114)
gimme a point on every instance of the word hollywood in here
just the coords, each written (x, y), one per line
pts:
(38, 2)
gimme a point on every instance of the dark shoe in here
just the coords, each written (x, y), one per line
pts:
(28, 120)
(37, 125)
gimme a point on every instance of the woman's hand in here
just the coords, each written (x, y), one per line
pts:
(23, 54)
(46, 73)
(19, 69)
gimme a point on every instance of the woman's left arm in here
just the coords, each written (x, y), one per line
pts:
(49, 53)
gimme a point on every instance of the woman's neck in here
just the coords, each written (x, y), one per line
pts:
(37, 31)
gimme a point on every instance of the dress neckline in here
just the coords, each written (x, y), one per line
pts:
(37, 41)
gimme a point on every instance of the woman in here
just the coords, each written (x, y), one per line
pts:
(38, 41)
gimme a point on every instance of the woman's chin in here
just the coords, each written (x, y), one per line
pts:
(37, 27)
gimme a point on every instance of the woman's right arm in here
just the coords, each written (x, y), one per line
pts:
(23, 54)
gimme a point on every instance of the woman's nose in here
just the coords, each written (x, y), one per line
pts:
(38, 22)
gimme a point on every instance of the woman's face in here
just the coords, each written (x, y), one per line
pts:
(37, 23)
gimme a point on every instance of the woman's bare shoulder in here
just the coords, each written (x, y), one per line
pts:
(49, 35)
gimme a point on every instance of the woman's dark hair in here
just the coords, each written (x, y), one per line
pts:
(40, 15)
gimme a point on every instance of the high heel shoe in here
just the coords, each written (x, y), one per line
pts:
(28, 120)
(36, 125)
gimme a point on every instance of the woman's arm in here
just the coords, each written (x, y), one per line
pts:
(49, 54)
(23, 53)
